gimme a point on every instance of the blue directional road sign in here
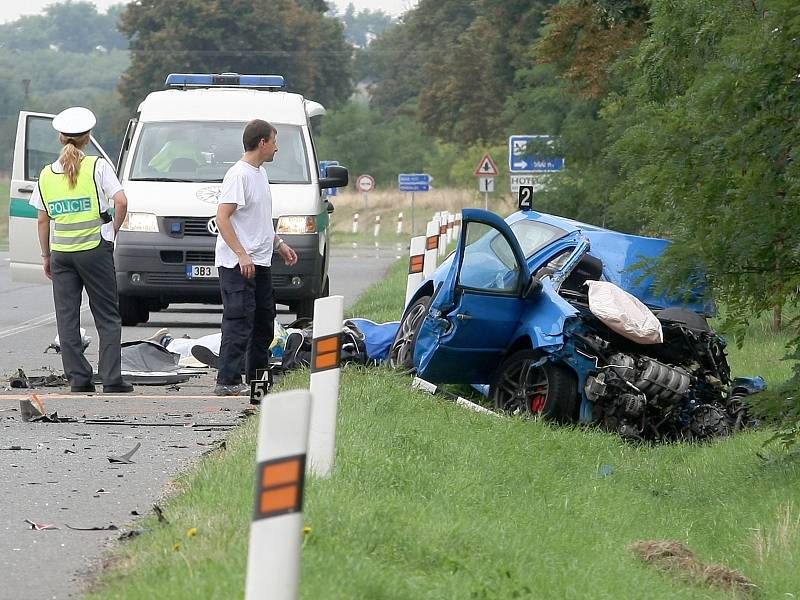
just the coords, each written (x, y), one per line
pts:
(520, 161)
(323, 172)
(414, 182)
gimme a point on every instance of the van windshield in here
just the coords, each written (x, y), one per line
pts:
(203, 151)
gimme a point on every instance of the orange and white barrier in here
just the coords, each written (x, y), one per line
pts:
(451, 219)
(276, 533)
(431, 248)
(416, 262)
(442, 233)
(355, 223)
(326, 354)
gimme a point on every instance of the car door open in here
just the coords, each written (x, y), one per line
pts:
(476, 310)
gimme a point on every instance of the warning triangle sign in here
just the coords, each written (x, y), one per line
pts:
(487, 168)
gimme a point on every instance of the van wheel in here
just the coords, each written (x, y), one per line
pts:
(132, 311)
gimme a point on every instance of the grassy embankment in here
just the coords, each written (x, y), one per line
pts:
(431, 501)
(4, 191)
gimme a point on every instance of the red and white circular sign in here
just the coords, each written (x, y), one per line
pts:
(365, 183)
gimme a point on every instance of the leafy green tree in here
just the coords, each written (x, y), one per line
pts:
(68, 26)
(363, 26)
(215, 36)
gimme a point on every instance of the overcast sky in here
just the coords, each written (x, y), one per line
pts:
(12, 9)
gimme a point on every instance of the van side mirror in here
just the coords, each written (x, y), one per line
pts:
(335, 177)
(533, 289)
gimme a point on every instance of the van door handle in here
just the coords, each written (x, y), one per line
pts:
(25, 188)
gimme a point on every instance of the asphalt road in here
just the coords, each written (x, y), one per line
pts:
(59, 473)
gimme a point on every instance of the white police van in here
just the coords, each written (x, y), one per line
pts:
(171, 164)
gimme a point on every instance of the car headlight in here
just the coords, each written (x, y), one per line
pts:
(297, 224)
(141, 222)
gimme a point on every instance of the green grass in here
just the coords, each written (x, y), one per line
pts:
(4, 192)
(430, 501)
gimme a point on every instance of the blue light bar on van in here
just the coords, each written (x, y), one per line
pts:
(223, 79)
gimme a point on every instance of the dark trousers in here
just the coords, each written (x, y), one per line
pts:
(92, 270)
(248, 324)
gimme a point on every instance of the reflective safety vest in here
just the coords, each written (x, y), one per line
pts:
(76, 211)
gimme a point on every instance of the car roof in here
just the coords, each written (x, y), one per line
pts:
(223, 104)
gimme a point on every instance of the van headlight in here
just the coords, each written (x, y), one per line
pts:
(141, 222)
(296, 224)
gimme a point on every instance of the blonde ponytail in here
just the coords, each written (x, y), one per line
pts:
(71, 155)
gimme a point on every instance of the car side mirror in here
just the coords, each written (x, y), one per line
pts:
(533, 289)
(335, 177)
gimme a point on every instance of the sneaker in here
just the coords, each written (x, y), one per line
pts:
(236, 389)
(158, 336)
(205, 356)
(118, 388)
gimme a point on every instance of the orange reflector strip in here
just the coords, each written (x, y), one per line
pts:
(281, 473)
(450, 224)
(415, 264)
(326, 352)
(442, 229)
(280, 487)
(279, 499)
(432, 243)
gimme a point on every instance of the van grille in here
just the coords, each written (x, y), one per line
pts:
(196, 226)
(198, 257)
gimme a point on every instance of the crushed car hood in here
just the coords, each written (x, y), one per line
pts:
(624, 257)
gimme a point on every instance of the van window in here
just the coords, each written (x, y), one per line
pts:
(203, 151)
(42, 146)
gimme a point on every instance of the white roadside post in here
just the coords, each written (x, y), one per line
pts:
(355, 223)
(276, 533)
(451, 218)
(326, 353)
(431, 248)
(457, 226)
(416, 263)
(377, 231)
(399, 223)
(442, 233)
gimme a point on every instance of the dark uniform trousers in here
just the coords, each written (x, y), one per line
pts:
(94, 271)
(248, 324)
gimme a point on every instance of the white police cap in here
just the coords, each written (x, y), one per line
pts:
(74, 121)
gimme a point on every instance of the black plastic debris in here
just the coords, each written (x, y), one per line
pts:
(22, 381)
(160, 514)
(125, 458)
(111, 527)
(131, 534)
(16, 448)
(28, 410)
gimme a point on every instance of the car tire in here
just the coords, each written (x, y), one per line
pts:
(522, 387)
(132, 311)
(401, 353)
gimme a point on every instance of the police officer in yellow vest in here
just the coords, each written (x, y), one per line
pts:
(73, 192)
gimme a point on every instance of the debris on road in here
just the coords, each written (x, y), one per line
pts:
(160, 514)
(110, 527)
(40, 526)
(125, 458)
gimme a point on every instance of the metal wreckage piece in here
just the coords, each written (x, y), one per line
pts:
(678, 390)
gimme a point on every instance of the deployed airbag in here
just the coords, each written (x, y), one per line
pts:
(623, 313)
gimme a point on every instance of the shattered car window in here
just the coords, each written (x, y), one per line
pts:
(489, 262)
(533, 235)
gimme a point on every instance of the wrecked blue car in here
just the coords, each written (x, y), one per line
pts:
(508, 312)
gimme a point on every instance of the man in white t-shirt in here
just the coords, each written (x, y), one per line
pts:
(244, 250)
